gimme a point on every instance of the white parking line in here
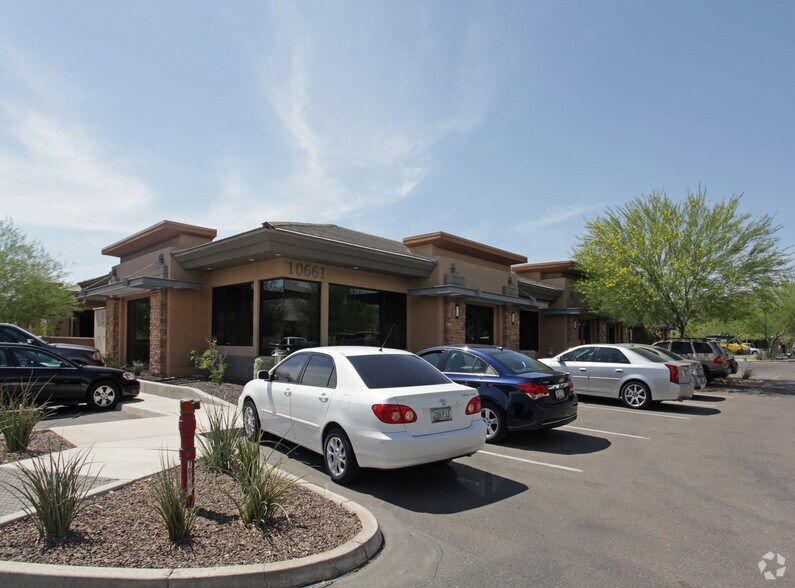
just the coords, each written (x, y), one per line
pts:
(638, 412)
(604, 432)
(541, 463)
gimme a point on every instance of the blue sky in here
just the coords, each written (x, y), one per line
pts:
(510, 123)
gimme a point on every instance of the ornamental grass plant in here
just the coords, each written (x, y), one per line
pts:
(219, 442)
(53, 490)
(19, 415)
(170, 502)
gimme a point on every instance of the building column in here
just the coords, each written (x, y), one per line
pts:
(510, 328)
(158, 332)
(454, 327)
(112, 333)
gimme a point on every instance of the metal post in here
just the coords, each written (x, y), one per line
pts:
(187, 449)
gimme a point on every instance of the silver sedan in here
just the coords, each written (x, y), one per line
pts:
(629, 372)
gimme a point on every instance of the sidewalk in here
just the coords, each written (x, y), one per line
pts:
(125, 450)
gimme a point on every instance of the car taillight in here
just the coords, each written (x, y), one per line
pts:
(534, 391)
(719, 360)
(474, 406)
(677, 376)
(571, 385)
(394, 414)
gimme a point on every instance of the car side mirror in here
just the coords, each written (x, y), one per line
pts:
(263, 375)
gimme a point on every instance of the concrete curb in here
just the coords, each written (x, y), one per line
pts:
(298, 572)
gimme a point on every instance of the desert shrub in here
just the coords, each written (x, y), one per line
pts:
(263, 362)
(747, 373)
(219, 442)
(53, 490)
(111, 361)
(19, 415)
(212, 361)
(170, 502)
(263, 485)
(138, 367)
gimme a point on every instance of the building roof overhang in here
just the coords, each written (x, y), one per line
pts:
(154, 235)
(132, 286)
(272, 241)
(457, 244)
(476, 295)
(540, 290)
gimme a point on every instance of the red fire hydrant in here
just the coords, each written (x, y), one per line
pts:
(187, 448)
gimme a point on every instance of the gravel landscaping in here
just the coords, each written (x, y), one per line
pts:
(122, 529)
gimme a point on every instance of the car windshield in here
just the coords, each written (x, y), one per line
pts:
(518, 363)
(386, 370)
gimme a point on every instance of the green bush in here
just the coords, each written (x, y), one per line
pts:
(111, 361)
(19, 415)
(138, 367)
(171, 503)
(747, 373)
(53, 491)
(263, 485)
(212, 360)
(219, 442)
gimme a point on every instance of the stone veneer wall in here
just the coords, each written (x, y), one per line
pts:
(112, 342)
(158, 332)
(510, 331)
(454, 328)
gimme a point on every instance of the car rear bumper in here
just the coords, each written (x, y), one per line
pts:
(674, 391)
(537, 415)
(387, 451)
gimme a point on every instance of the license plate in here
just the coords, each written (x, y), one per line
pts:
(560, 394)
(441, 414)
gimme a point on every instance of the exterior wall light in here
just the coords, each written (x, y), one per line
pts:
(452, 270)
(457, 311)
(513, 318)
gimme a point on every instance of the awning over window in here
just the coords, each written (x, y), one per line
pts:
(131, 286)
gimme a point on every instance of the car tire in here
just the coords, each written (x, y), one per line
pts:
(494, 417)
(103, 396)
(339, 460)
(707, 374)
(636, 394)
(251, 425)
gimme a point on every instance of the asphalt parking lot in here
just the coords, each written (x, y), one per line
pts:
(686, 494)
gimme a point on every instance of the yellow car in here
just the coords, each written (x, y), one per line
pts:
(731, 343)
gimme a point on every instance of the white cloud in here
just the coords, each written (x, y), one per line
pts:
(54, 174)
(558, 215)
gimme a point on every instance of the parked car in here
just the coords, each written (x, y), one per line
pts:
(696, 369)
(52, 378)
(625, 371)
(711, 355)
(730, 343)
(517, 392)
(364, 407)
(81, 354)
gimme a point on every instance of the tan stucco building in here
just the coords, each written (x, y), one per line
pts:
(283, 286)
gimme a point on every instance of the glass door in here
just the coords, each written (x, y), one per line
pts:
(138, 330)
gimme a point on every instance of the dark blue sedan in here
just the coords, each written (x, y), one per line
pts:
(517, 392)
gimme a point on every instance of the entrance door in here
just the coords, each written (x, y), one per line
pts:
(138, 330)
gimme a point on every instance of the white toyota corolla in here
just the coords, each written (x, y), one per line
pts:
(364, 407)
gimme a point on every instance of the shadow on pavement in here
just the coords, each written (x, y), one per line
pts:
(681, 408)
(555, 441)
(434, 488)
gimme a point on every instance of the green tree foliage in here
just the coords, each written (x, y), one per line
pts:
(656, 262)
(771, 316)
(31, 281)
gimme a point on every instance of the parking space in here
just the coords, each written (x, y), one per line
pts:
(691, 493)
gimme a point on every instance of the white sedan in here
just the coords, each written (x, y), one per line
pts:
(622, 370)
(364, 407)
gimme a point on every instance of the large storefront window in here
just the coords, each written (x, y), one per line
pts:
(480, 324)
(233, 314)
(289, 315)
(366, 317)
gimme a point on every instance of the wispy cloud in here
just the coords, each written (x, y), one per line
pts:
(354, 116)
(557, 215)
(53, 171)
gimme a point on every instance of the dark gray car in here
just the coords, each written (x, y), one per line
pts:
(80, 354)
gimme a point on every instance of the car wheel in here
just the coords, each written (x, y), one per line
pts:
(496, 428)
(103, 396)
(251, 424)
(636, 395)
(339, 460)
(707, 374)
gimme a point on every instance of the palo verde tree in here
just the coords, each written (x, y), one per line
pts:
(771, 315)
(31, 281)
(656, 262)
